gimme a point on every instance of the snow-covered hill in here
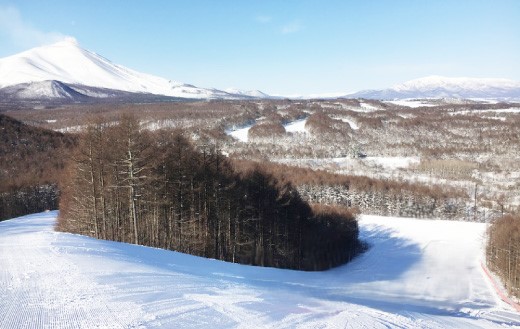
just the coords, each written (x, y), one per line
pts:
(416, 274)
(248, 93)
(47, 90)
(66, 62)
(443, 87)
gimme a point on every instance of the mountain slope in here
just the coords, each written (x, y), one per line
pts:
(48, 90)
(249, 93)
(68, 63)
(409, 278)
(443, 87)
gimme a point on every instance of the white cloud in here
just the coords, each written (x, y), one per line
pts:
(292, 27)
(21, 33)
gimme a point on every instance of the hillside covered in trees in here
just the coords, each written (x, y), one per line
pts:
(503, 251)
(31, 162)
(157, 189)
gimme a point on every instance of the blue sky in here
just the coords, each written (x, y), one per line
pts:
(281, 47)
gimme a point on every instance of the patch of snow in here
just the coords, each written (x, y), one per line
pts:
(413, 103)
(297, 126)
(369, 107)
(240, 134)
(393, 162)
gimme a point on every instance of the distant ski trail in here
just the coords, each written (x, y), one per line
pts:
(417, 274)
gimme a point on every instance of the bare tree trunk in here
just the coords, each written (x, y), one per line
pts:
(132, 194)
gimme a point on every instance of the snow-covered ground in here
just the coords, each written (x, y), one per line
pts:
(297, 126)
(368, 107)
(416, 274)
(393, 162)
(241, 134)
(413, 103)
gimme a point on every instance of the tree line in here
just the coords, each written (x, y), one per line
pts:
(128, 184)
(31, 161)
(503, 251)
(372, 196)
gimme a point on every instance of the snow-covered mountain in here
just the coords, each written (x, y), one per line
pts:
(48, 90)
(38, 72)
(248, 93)
(443, 87)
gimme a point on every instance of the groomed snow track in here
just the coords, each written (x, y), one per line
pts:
(416, 274)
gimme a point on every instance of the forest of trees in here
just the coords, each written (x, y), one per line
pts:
(503, 251)
(373, 196)
(31, 162)
(157, 189)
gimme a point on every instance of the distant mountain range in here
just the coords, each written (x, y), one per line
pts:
(443, 87)
(64, 72)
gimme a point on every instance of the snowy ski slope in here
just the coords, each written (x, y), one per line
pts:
(417, 274)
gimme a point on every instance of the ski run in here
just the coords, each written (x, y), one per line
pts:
(415, 274)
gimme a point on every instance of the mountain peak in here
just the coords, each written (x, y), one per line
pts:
(67, 41)
(65, 61)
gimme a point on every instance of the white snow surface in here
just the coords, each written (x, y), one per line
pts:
(416, 274)
(297, 126)
(368, 107)
(413, 103)
(67, 62)
(242, 134)
(393, 162)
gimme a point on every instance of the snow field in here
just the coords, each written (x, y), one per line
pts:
(297, 126)
(413, 103)
(416, 274)
(240, 134)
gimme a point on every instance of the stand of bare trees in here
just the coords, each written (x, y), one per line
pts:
(503, 251)
(31, 161)
(156, 189)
